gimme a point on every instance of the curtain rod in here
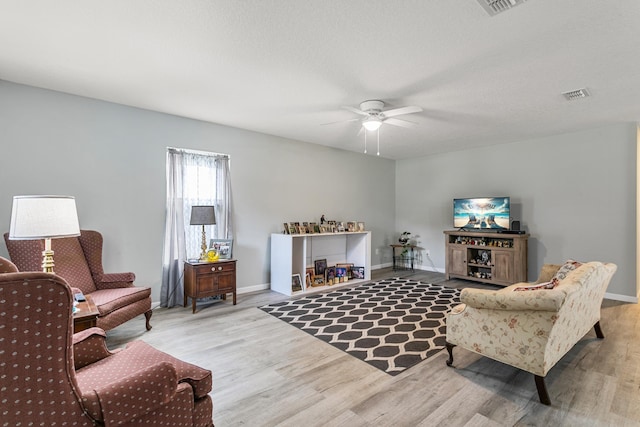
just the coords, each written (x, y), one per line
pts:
(202, 153)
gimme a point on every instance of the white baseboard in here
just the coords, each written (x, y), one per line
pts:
(379, 266)
(623, 298)
(254, 288)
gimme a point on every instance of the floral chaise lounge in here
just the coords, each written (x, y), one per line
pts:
(532, 326)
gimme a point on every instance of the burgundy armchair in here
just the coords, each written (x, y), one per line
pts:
(52, 377)
(79, 261)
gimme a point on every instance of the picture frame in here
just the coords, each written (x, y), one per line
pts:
(318, 280)
(307, 280)
(224, 247)
(352, 226)
(340, 227)
(330, 275)
(357, 272)
(296, 283)
(286, 228)
(320, 265)
(311, 271)
(341, 274)
(347, 266)
(360, 226)
(292, 229)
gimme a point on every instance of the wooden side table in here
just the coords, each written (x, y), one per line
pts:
(205, 279)
(86, 315)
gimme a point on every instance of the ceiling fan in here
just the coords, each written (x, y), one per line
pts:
(374, 116)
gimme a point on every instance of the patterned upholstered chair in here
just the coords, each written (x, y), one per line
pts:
(532, 327)
(49, 376)
(79, 261)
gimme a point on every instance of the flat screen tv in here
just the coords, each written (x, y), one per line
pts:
(482, 213)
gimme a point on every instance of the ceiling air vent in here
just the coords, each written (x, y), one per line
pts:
(576, 94)
(493, 7)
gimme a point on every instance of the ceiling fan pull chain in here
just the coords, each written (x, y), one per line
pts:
(365, 142)
(378, 141)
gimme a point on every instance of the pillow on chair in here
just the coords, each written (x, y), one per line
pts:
(539, 286)
(563, 271)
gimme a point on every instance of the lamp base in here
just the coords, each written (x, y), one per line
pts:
(47, 257)
(203, 246)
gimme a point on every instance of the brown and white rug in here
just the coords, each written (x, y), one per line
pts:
(392, 324)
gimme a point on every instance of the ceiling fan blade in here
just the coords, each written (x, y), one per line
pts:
(401, 123)
(340, 121)
(355, 110)
(401, 110)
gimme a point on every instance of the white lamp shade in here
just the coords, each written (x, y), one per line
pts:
(43, 217)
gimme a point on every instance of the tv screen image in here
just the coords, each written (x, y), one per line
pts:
(486, 213)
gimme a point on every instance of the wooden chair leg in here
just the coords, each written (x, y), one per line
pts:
(147, 316)
(599, 333)
(543, 395)
(450, 351)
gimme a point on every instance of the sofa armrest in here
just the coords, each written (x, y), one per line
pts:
(510, 300)
(89, 346)
(115, 280)
(137, 394)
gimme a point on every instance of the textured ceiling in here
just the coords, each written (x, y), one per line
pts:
(284, 67)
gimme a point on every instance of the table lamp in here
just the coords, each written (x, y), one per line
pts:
(203, 215)
(44, 217)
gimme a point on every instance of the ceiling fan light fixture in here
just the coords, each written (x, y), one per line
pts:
(372, 123)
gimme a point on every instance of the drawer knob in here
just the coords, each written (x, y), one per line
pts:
(213, 269)
(219, 268)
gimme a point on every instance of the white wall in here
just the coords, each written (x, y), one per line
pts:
(112, 159)
(574, 193)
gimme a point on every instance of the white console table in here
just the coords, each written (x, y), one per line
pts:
(293, 253)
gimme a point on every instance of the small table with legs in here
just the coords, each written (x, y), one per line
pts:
(404, 261)
(86, 315)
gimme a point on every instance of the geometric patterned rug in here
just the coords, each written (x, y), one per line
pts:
(392, 324)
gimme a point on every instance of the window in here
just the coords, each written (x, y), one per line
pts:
(193, 178)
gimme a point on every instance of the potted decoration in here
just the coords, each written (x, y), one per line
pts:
(404, 238)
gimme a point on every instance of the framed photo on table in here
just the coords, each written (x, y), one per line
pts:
(224, 247)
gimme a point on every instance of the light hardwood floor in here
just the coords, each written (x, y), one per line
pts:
(268, 373)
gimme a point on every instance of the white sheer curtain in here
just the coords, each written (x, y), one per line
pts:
(193, 178)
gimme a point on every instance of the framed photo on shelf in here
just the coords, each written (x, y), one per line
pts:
(320, 265)
(223, 247)
(330, 275)
(286, 228)
(307, 280)
(340, 227)
(357, 272)
(341, 274)
(296, 283)
(347, 267)
(311, 271)
(351, 226)
(360, 226)
(318, 280)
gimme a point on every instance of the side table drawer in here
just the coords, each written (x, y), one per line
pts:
(215, 268)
